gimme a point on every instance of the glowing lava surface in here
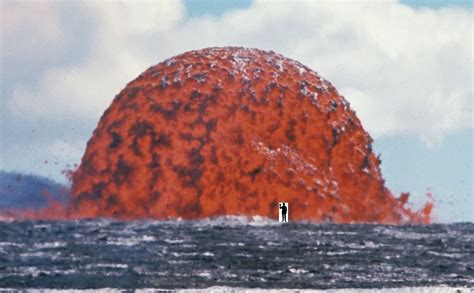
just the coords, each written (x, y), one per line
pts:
(233, 131)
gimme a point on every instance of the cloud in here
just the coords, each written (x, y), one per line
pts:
(85, 90)
(130, 17)
(405, 71)
(37, 24)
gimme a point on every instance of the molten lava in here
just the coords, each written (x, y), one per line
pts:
(231, 131)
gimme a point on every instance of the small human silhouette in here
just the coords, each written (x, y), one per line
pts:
(284, 209)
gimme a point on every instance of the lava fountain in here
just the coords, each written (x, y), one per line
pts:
(233, 131)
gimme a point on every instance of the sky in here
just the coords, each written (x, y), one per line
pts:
(405, 67)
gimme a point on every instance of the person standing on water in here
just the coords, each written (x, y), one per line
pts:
(284, 210)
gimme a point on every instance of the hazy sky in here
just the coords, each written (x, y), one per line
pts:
(406, 68)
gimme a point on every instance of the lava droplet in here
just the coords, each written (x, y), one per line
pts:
(233, 131)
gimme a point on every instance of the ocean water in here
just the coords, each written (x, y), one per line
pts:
(229, 253)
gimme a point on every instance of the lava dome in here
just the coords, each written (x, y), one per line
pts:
(233, 131)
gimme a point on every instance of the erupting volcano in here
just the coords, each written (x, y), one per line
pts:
(232, 131)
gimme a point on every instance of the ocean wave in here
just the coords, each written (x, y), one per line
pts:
(239, 251)
(225, 289)
(225, 221)
(6, 219)
(130, 241)
(231, 220)
(47, 245)
(107, 265)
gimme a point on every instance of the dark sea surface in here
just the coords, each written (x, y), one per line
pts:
(233, 252)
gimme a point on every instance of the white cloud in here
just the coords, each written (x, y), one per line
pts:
(129, 17)
(84, 91)
(403, 70)
(29, 28)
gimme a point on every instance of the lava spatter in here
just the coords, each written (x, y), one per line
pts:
(233, 131)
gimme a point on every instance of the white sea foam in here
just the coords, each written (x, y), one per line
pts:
(297, 271)
(38, 254)
(205, 274)
(147, 238)
(28, 271)
(230, 221)
(119, 241)
(130, 241)
(174, 241)
(447, 254)
(6, 219)
(45, 245)
(42, 226)
(230, 244)
(111, 265)
(11, 244)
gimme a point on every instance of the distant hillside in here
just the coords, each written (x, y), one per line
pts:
(28, 191)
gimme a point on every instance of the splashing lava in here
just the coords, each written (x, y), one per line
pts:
(232, 131)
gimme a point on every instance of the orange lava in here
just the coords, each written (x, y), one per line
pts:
(233, 131)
